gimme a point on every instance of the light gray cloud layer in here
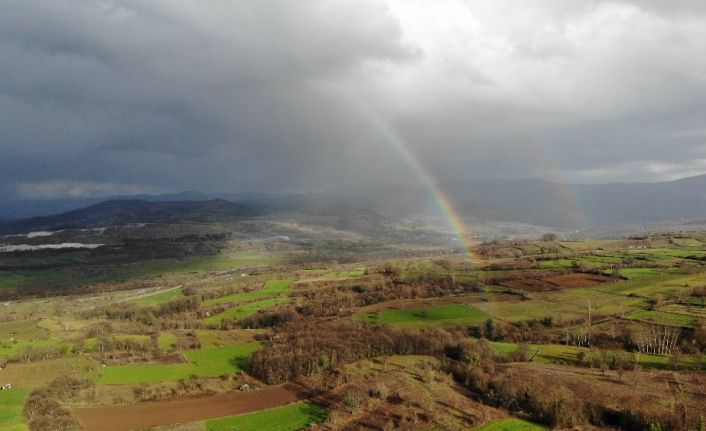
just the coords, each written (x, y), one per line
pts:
(100, 97)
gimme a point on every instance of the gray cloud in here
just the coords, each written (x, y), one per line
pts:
(101, 96)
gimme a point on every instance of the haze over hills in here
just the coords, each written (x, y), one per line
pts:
(526, 201)
(122, 212)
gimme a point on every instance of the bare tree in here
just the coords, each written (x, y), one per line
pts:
(657, 339)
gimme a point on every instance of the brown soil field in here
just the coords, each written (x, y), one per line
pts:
(153, 414)
(531, 285)
(578, 279)
(556, 282)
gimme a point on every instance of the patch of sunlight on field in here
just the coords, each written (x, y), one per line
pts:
(663, 283)
(160, 297)
(663, 318)
(559, 263)
(167, 342)
(218, 338)
(288, 418)
(592, 244)
(11, 405)
(563, 354)
(564, 305)
(272, 288)
(696, 311)
(511, 425)
(631, 273)
(210, 362)
(426, 316)
(242, 311)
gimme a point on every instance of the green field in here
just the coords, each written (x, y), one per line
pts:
(439, 314)
(272, 288)
(664, 283)
(102, 271)
(11, 404)
(160, 297)
(511, 425)
(559, 263)
(22, 334)
(562, 354)
(166, 341)
(566, 304)
(211, 362)
(245, 310)
(639, 272)
(662, 318)
(357, 272)
(288, 418)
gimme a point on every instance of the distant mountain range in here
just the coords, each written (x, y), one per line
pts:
(529, 201)
(123, 212)
(16, 209)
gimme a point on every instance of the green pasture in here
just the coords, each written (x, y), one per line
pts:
(666, 283)
(288, 418)
(563, 354)
(511, 425)
(697, 311)
(11, 404)
(22, 334)
(166, 341)
(356, 272)
(101, 271)
(607, 244)
(160, 297)
(564, 305)
(210, 362)
(665, 256)
(631, 273)
(425, 316)
(271, 288)
(559, 263)
(242, 311)
(663, 318)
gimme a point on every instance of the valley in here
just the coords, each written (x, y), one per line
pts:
(355, 334)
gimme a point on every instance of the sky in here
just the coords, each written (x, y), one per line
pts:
(101, 97)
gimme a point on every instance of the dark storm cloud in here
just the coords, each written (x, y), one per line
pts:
(102, 97)
(178, 93)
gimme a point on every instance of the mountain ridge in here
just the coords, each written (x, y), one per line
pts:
(532, 201)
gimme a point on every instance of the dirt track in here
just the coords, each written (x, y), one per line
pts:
(152, 414)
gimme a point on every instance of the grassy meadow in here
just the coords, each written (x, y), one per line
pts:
(427, 316)
(209, 362)
(288, 418)
(11, 404)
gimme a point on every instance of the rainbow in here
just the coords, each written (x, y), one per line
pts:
(398, 145)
